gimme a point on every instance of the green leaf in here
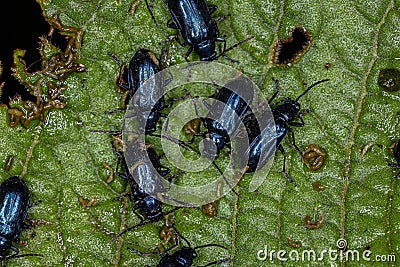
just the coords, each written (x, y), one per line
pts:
(61, 160)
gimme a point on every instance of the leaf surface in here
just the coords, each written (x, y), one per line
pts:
(62, 161)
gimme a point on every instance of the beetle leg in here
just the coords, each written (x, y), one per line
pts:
(216, 262)
(151, 12)
(276, 90)
(14, 249)
(221, 18)
(211, 9)
(294, 143)
(297, 124)
(136, 207)
(171, 24)
(300, 116)
(164, 171)
(207, 105)
(121, 84)
(125, 98)
(143, 253)
(190, 50)
(123, 176)
(280, 147)
(118, 198)
(115, 111)
(221, 40)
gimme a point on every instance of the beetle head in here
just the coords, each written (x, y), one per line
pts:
(206, 50)
(5, 245)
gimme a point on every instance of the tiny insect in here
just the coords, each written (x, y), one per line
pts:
(327, 66)
(184, 257)
(192, 18)
(193, 21)
(14, 204)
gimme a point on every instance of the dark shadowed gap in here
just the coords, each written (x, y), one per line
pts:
(21, 25)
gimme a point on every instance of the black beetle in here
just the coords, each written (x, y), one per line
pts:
(192, 18)
(148, 101)
(225, 115)
(14, 204)
(183, 257)
(147, 173)
(284, 113)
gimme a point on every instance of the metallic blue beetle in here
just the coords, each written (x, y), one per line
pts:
(144, 179)
(284, 113)
(147, 173)
(14, 204)
(225, 115)
(147, 101)
(192, 18)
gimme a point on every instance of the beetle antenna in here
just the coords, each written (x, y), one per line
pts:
(129, 229)
(151, 13)
(4, 260)
(237, 44)
(115, 58)
(181, 236)
(187, 147)
(234, 46)
(106, 131)
(309, 88)
(211, 245)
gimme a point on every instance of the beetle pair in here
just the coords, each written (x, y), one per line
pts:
(259, 149)
(284, 113)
